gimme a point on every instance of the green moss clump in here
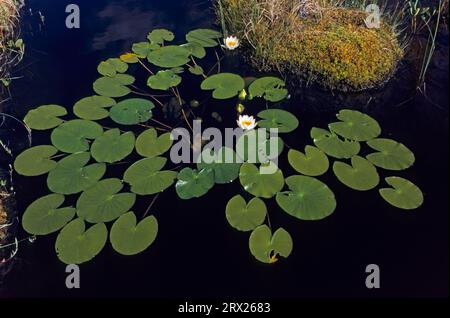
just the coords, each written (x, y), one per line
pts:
(330, 45)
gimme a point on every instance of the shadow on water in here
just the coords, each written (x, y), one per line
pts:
(196, 253)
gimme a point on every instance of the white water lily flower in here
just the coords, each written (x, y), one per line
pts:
(247, 122)
(232, 43)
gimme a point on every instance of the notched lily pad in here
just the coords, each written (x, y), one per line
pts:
(224, 163)
(112, 146)
(159, 36)
(149, 145)
(258, 184)
(35, 161)
(280, 119)
(361, 175)
(45, 117)
(314, 162)
(163, 80)
(169, 56)
(356, 126)
(73, 136)
(267, 248)
(245, 217)
(224, 85)
(333, 145)
(204, 37)
(271, 89)
(93, 107)
(403, 195)
(114, 86)
(193, 183)
(392, 155)
(111, 67)
(132, 111)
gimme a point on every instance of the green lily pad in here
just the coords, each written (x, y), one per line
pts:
(193, 183)
(111, 67)
(169, 56)
(271, 89)
(258, 184)
(132, 111)
(267, 248)
(35, 161)
(112, 146)
(245, 217)
(72, 176)
(334, 146)
(307, 199)
(149, 145)
(103, 203)
(196, 70)
(45, 117)
(73, 136)
(93, 108)
(280, 119)
(146, 177)
(255, 146)
(204, 37)
(159, 36)
(224, 163)
(361, 175)
(163, 80)
(195, 49)
(129, 238)
(143, 49)
(74, 245)
(356, 126)
(403, 195)
(392, 155)
(44, 216)
(224, 85)
(314, 162)
(114, 86)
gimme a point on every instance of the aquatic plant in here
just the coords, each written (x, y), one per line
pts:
(120, 127)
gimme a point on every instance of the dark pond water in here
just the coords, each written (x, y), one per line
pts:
(197, 254)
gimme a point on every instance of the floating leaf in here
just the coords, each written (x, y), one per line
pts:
(193, 183)
(313, 162)
(204, 37)
(72, 176)
(245, 217)
(392, 155)
(132, 111)
(45, 117)
(103, 202)
(361, 175)
(112, 146)
(114, 86)
(127, 238)
(159, 36)
(44, 216)
(258, 184)
(149, 145)
(146, 178)
(224, 85)
(163, 80)
(35, 161)
(280, 119)
(169, 56)
(271, 89)
(356, 126)
(266, 248)
(224, 163)
(72, 136)
(256, 146)
(94, 107)
(74, 245)
(130, 58)
(111, 67)
(143, 49)
(308, 199)
(404, 194)
(334, 146)
(195, 49)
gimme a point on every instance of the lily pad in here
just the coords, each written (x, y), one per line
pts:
(75, 245)
(245, 217)
(403, 195)
(271, 89)
(72, 176)
(132, 111)
(224, 163)
(130, 58)
(392, 155)
(111, 67)
(114, 86)
(195, 49)
(204, 37)
(224, 85)
(361, 175)
(146, 177)
(44, 216)
(280, 119)
(258, 184)
(149, 145)
(142, 49)
(163, 80)
(356, 126)
(159, 36)
(267, 248)
(169, 56)
(307, 199)
(314, 162)
(94, 107)
(112, 146)
(193, 183)
(73, 136)
(256, 146)
(35, 161)
(196, 70)
(129, 238)
(45, 117)
(333, 145)
(103, 202)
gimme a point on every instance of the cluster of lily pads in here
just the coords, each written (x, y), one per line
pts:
(114, 130)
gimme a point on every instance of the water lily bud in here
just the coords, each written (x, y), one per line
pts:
(194, 103)
(240, 108)
(243, 95)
